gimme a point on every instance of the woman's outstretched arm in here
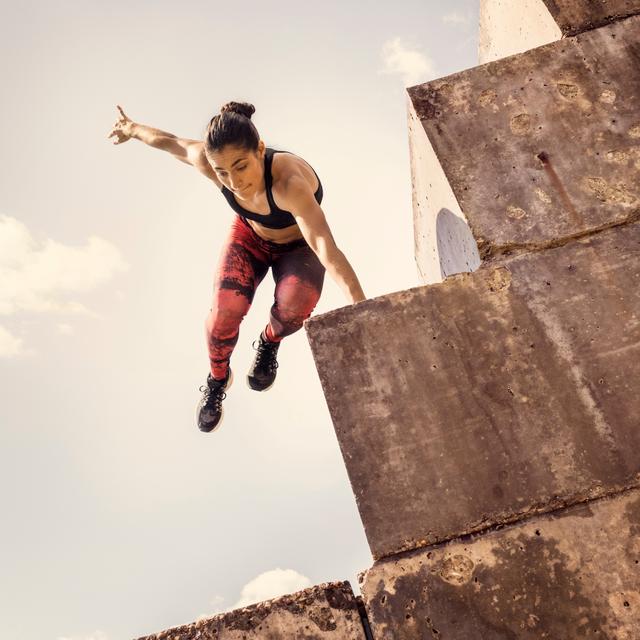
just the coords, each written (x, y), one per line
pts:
(188, 151)
(315, 229)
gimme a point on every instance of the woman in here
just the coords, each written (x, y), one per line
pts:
(279, 224)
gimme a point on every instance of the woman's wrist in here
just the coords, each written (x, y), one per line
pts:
(356, 294)
(137, 131)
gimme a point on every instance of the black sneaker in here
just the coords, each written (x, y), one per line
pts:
(262, 374)
(209, 412)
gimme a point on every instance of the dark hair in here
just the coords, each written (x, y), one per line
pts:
(232, 126)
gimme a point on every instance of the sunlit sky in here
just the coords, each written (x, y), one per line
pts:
(119, 517)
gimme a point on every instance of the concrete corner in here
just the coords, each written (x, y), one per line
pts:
(324, 612)
(491, 396)
(526, 152)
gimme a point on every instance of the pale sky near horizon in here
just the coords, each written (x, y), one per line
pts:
(119, 517)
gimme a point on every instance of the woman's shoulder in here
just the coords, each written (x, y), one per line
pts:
(287, 165)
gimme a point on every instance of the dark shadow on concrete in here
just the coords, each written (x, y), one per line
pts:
(457, 248)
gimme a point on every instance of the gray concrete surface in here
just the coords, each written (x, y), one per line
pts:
(490, 396)
(529, 150)
(325, 612)
(575, 16)
(569, 575)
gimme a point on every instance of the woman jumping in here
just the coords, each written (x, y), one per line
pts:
(279, 224)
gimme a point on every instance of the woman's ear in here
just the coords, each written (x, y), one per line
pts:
(261, 148)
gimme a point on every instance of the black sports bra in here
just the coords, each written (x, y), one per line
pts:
(277, 218)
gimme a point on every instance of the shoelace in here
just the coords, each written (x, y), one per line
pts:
(267, 355)
(217, 394)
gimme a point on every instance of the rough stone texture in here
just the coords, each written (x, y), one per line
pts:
(536, 148)
(328, 611)
(490, 396)
(508, 28)
(575, 16)
(569, 576)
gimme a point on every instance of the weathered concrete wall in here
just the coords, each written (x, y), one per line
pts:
(325, 612)
(570, 575)
(535, 148)
(491, 395)
(508, 28)
(575, 16)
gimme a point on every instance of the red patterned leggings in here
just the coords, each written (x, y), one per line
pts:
(244, 262)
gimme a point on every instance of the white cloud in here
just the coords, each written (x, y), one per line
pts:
(39, 276)
(457, 17)
(216, 606)
(10, 345)
(271, 584)
(96, 635)
(411, 64)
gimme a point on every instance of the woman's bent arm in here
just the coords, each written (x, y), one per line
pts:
(316, 232)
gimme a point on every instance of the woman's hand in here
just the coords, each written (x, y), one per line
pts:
(122, 129)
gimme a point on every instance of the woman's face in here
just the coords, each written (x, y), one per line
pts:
(240, 170)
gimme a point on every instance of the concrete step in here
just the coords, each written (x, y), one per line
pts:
(526, 152)
(491, 396)
(325, 612)
(573, 574)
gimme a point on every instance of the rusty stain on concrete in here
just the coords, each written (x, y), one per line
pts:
(559, 187)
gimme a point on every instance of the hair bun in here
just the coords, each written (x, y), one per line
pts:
(243, 108)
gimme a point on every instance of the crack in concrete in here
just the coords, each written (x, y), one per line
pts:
(568, 32)
(595, 494)
(490, 252)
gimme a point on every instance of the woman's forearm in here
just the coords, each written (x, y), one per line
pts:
(339, 268)
(153, 137)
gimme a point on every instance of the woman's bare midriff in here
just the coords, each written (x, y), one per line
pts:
(281, 236)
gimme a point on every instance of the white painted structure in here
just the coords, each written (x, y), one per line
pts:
(508, 27)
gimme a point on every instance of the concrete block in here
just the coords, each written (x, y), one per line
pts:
(490, 396)
(575, 16)
(508, 28)
(325, 612)
(528, 151)
(570, 575)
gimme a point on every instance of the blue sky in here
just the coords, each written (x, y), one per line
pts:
(120, 518)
